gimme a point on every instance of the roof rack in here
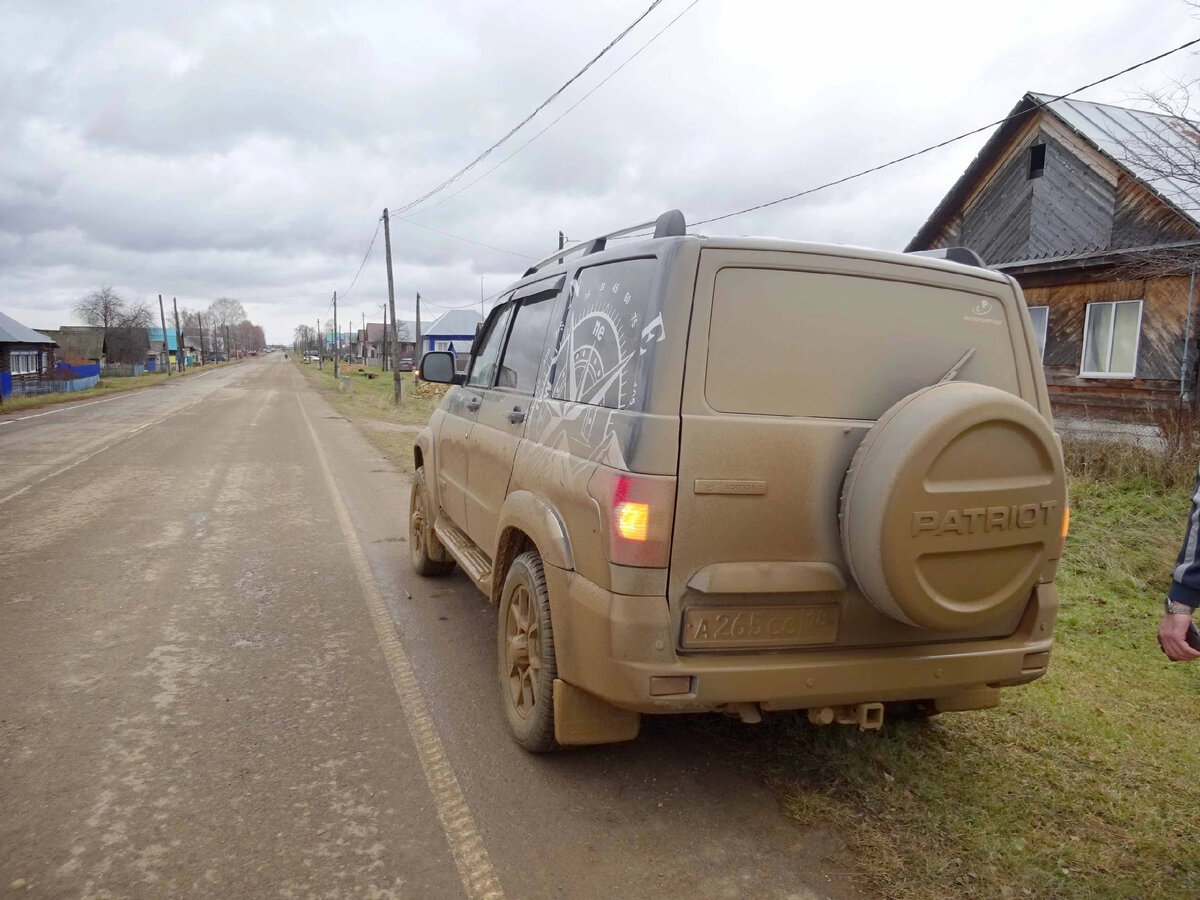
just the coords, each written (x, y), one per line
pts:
(669, 224)
(962, 255)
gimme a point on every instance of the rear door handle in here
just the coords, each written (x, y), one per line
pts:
(473, 404)
(517, 416)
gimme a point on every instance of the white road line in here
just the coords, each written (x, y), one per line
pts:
(69, 408)
(122, 439)
(132, 393)
(466, 846)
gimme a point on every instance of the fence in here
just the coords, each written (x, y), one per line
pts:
(122, 371)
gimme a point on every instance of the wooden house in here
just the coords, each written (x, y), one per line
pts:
(26, 356)
(1091, 208)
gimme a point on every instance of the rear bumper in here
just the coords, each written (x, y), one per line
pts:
(613, 645)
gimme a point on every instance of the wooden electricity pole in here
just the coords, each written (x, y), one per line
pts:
(417, 351)
(162, 317)
(336, 349)
(383, 357)
(320, 346)
(397, 383)
(178, 338)
(200, 322)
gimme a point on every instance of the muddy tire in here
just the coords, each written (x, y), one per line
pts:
(952, 507)
(525, 655)
(428, 558)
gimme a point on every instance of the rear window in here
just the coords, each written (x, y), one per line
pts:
(613, 325)
(792, 343)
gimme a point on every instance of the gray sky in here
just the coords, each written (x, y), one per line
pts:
(246, 149)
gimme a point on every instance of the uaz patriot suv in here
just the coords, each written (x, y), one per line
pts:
(747, 475)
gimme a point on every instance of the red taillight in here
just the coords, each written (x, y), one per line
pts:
(636, 511)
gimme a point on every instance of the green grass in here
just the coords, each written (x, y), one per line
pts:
(1082, 784)
(103, 387)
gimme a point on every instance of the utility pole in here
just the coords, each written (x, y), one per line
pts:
(417, 352)
(178, 337)
(162, 317)
(561, 240)
(320, 346)
(200, 322)
(228, 344)
(362, 345)
(337, 348)
(383, 358)
(397, 383)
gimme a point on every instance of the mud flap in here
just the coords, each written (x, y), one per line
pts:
(583, 718)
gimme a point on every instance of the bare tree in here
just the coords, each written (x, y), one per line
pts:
(223, 314)
(101, 308)
(123, 324)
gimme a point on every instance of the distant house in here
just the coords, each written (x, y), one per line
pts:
(369, 341)
(1076, 202)
(26, 356)
(454, 331)
(169, 347)
(79, 344)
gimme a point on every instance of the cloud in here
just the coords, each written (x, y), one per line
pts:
(246, 149)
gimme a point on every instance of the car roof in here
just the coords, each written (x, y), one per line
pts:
(658, 246)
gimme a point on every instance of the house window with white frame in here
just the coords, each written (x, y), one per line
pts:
(1040, 315)
(441, 345)
(1111, 332)
(23, 362)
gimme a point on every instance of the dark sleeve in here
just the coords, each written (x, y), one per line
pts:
(1185, 583)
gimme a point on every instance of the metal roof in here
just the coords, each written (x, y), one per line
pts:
(1129, 137)
(1150, 145)
(13, 332)
(456, 323)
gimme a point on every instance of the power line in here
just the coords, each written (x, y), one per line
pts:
(526, 120)
(461, 238)
(366, 255)
(563, 115)
(939, 145)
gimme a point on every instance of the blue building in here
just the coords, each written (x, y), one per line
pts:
(454, 331)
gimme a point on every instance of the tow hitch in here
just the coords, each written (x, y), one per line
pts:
(867, 716)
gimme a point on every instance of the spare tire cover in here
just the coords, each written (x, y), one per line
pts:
(952, 506)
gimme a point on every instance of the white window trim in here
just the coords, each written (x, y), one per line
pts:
(1137, 340)
(1045, 330)
(23, 362)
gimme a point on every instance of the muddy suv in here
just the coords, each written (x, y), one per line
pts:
(747, 475)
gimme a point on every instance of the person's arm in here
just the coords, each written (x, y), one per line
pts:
(1184, 595)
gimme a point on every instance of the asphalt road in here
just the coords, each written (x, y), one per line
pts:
(220, 677)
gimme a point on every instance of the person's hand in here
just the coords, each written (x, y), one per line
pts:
(1172, 637)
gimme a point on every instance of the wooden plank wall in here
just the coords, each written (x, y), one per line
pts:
(1160, 352)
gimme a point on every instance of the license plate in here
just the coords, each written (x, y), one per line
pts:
(707, 628)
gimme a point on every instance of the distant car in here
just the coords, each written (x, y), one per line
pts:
(311, 357)
(404, 365)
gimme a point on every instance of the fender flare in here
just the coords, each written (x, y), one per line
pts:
(535, 517)
(424, 443)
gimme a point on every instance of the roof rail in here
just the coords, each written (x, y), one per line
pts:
(669, 224)
(962, 255)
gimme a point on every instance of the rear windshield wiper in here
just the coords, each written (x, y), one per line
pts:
(953, 371)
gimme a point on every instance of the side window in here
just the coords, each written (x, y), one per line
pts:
(523, 354)
(483, 365)
(613, 324)
(1038, 315)
(1110, 338)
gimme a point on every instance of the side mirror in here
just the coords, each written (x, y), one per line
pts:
(438, 366)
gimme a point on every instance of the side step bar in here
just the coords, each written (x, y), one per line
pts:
(466, 552)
